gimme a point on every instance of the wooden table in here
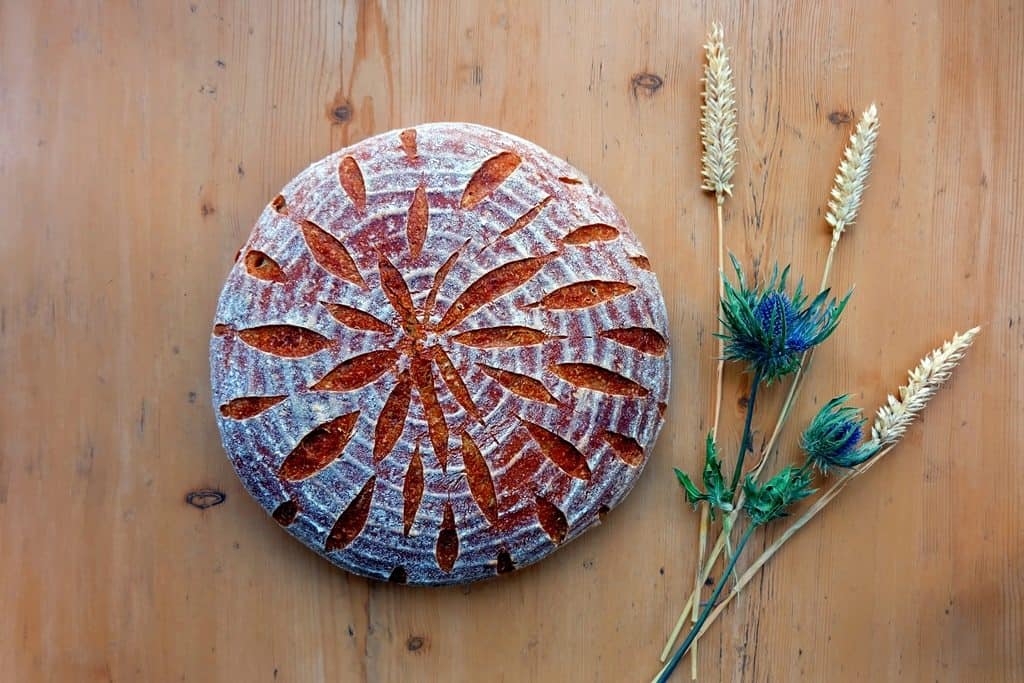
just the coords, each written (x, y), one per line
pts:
(142, 139)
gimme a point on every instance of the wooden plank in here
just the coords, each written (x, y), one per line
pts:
(142, 139)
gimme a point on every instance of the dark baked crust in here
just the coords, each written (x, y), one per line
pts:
(440, 355)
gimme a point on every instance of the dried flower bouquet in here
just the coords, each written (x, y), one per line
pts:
(773, 330)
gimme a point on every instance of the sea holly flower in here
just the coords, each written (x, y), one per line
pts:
(832, 438)
(770, 329)
(771, 500)
(718, 495)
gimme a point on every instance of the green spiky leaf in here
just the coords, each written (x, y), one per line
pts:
(771, 500)
(719, 496)
(693, 494)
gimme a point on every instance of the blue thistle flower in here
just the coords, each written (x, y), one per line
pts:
(770, 329)
(832, 438)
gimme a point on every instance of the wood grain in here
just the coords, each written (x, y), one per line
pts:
(140, 142)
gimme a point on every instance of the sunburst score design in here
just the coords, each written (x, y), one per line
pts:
(440, 355)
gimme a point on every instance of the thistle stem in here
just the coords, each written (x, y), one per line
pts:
(667, 670)
(806, 466)
(745, 441)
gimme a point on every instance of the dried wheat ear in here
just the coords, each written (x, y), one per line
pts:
(441, 355)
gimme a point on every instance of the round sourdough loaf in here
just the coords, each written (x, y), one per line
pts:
(441, 354)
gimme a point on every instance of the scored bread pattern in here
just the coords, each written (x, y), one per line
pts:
(441, 355)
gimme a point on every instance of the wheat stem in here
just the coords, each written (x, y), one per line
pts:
(828, 261)
(702, 546)
(681, 621)
(720, 368)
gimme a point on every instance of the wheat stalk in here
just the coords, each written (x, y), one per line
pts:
(851, 178)
(932, 372)
(718, 119)
(890, 425)
(718, 163)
